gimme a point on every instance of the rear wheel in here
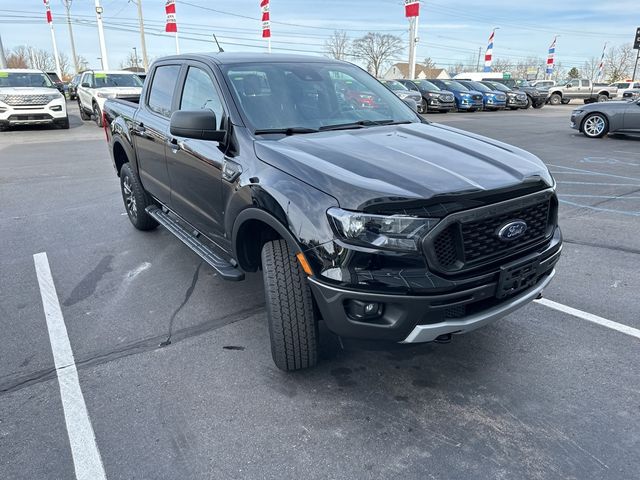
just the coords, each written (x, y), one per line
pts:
(293, 328)
(83, 114)
(603, 98)
(136, 199)
(595, 125)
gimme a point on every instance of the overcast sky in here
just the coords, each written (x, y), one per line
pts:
(450, 31)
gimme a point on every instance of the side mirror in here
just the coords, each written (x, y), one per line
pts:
(196, 124)
(85, 85)
(412, 104)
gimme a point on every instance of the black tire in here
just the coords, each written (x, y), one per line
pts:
(293, 329)
(136, 199)
(97, 115)
(565, 101)
(83, 114)
(603, 98)
(424, 107)
(529, 103)
(538, 105)
(64, 124)
(555, 99)
(595, 119)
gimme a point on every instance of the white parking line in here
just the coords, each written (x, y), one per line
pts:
(589, 317)
(86, 457)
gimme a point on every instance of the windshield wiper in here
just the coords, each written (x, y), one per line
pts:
(286, 131)
(361, 124)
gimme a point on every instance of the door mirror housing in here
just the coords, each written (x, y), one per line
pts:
(196, 124)
(85, 85)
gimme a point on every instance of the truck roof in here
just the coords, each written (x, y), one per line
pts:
(228, 58)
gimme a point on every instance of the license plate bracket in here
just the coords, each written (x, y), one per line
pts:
(517, 276)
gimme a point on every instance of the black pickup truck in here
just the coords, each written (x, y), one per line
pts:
(362, 215)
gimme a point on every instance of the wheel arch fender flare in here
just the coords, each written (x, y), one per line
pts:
(121, 138)
(252, 213)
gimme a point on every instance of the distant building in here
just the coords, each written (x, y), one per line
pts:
(401, 70)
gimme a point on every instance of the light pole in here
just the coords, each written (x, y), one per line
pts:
(103, 46)
(67, 6)
(145, 59)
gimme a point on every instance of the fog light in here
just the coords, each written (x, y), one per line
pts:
(56, 108)
(358, 310)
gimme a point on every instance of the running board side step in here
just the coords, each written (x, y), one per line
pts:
(220, 265)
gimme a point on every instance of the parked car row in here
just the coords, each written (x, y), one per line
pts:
(438, 95)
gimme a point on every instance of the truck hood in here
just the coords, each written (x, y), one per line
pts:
(29, 91)
(400, 163)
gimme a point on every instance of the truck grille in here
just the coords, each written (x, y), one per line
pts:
(27, 99)
(467, 243)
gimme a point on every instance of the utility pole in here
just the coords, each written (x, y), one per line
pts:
(145, 59)
(135, 57)
(3, 59)
(67, 5)
(103, 46)
(413, 41)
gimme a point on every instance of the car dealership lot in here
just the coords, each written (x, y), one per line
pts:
(539, 394)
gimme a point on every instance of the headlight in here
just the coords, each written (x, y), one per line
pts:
(106, 95)
(403, 94)
(54, 96)
(433, 94)
(577, 112)
(465, 94)
(394, 232)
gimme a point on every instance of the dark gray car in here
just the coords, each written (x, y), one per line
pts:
(598, 119)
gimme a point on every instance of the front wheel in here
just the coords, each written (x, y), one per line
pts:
(565, 101)
(595, 125)
(293, 329)
(555, 99)
(97, 115)
(136, 199)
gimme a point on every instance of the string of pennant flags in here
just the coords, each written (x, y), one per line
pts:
(411, 8)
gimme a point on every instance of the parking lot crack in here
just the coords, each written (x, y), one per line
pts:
(187, 296)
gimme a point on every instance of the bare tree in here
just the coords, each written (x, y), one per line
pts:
(559, 72)
(429, 64)
(376, 49)
(591, 68)
(502, 65)
(41, 59)
(619, 62)
(131, 61)
(338, 45)
(18, 58)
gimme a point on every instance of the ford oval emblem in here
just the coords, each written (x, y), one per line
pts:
(512, 230)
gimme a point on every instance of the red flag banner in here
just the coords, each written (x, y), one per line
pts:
(48, 8)
(412, 8)
(266, 19)
(170, 10)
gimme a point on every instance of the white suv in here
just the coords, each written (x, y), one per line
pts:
(29, 97)
(96, 86)
(625, 87)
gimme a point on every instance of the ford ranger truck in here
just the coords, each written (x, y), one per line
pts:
(368, 218)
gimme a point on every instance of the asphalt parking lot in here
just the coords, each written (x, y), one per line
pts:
(541, 394)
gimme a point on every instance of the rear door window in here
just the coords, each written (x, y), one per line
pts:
(160, 98)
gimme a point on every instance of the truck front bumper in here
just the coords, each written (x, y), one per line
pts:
(423, 318)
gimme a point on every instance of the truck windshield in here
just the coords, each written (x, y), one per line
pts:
(10, 79)
(305, 97)
(116, 80)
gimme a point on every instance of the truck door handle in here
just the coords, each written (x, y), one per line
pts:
(139, 129)
(174, 144)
